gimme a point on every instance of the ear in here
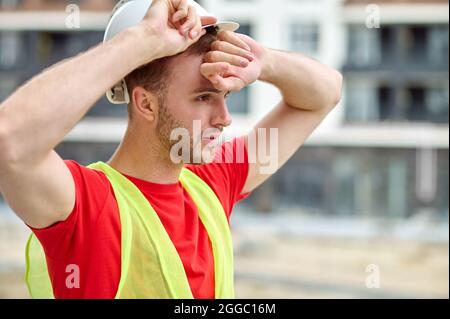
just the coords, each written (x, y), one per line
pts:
(145, 103)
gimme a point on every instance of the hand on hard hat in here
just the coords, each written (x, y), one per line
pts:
(186, 14)
(176, 23)
(160, 28)
(186, 20)
(225, 65)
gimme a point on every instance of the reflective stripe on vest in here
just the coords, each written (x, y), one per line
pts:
(150, 265)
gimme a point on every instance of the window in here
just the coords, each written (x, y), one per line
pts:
(362, 103)
(302, 183)
(415, 40)
(436, 102)
(385, 102)
(346, 178)
(364, 46)
(54, 46)
(388, 43)
(415, 104)
(305, 38)
(406, 67)
(437, 45)
(11, 49)
(427, 104)
(7, 86)
(372, 182)
(441, 200)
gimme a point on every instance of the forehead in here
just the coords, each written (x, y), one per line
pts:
(186, 76)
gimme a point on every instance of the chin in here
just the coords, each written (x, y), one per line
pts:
(208, 155)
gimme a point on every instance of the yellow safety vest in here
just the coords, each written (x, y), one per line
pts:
(150, 264)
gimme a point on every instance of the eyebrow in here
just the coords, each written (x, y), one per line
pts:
(206, 89)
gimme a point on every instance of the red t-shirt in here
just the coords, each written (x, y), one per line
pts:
(90, 236)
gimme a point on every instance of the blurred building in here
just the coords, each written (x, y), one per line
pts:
(382, 152)
(397, 86)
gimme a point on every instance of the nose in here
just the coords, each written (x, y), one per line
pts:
(221, 116)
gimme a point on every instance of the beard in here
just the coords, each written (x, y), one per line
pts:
(167, 123)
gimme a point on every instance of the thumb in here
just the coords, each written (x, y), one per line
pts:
(207, 20)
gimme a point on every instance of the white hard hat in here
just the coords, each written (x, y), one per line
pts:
(128, 13)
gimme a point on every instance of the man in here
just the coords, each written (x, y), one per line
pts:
(146, 225)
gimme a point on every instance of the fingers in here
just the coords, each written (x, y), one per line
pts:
(219, 75)
(231, 37)
(208, 20)
(227, 84)
(210, 69)
(197, 30)
(192, 25)
(219, 56)
(229, 48)
(181, 9)
(191, 21)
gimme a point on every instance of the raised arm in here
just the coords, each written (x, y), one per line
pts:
(309, 90)
(33, 179)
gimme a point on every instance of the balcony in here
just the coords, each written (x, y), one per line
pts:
(405, 49)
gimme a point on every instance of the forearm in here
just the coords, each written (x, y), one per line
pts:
(304, 83)
(40, 113)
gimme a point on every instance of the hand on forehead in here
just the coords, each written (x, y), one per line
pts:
(226, 65)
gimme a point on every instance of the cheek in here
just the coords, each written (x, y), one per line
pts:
(191, 112)
(187, 109)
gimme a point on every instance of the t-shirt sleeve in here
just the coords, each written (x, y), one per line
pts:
(227, 174)
(91, 189)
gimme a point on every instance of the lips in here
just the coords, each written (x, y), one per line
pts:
(215, 138)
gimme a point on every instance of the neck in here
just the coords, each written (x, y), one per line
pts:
(142, 156)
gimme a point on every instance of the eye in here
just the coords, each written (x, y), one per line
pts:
(227, 94)
(204, 98)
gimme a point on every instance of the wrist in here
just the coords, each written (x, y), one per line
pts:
(146, 45)
(267, 65)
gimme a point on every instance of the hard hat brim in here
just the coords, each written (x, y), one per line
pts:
(223, 26)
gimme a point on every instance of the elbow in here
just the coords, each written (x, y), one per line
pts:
(6, 149)
(3, 137)
(333, 88)
(337, 85)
